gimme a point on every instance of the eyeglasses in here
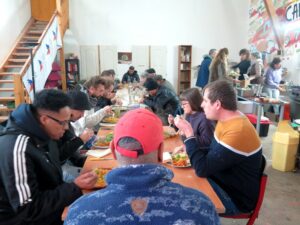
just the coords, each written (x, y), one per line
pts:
(62, 123)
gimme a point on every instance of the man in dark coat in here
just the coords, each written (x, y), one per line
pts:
(203, 73)
(130, 76)
(31, 187)
(161, 100)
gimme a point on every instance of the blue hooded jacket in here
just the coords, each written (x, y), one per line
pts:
(203, 73)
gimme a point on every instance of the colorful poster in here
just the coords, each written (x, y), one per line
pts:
(261, 34)
(43, 59)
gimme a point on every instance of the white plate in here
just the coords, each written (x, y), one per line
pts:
(107, 124)
(100, 147)
(297, 121)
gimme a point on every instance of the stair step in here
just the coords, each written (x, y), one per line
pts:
(12, 66)
(21, 54)
(29, 43)
(23, 48)
(38, 26)
(6, 81)
(7, 73)
(31, 38)
(3, 118)
(40, 22)
(6, 89)
(7, 99)
(17, 60)
(34, 32)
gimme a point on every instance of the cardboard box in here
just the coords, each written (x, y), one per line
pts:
(245, 83)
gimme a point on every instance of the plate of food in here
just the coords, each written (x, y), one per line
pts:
(101, 172)
(110, 119)
(181, 160)
(103, 142)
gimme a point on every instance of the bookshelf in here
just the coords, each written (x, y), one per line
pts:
(72, 71)
(184, 67)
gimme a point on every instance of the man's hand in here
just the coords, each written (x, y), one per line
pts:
(86, 135)
(108, 110)
(184, 126)
(86, 180)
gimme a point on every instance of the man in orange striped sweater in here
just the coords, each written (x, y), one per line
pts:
(233, 160)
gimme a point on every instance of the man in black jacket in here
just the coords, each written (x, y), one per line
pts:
(70, 144)
(31, 187)
(161, 100)
(130, 76)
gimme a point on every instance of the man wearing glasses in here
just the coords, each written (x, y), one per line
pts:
(31, 187)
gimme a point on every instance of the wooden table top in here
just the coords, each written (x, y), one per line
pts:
(183, 176)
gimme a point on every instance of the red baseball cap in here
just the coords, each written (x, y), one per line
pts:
(142, 125)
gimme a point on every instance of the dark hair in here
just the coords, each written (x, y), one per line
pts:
(211, 51)
(80, 100)
(151, 84)
(158, 78)
(108, 84)
(194, 97)
(223, 91)
(245, 52)
(150, 70)
(275, 61)
(107, 73)
(131, 67)
(94, 81)
(51, 99)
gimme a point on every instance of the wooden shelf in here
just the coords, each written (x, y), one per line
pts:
(184, 68)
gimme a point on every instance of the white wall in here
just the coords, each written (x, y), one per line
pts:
(201, 23)
(14, 16)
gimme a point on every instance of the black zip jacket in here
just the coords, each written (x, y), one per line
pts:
(31, 188)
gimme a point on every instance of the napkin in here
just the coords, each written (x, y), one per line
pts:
(98, 153)
(167, 157)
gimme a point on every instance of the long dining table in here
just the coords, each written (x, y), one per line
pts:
(183, 176)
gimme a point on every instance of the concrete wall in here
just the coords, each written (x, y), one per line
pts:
(201, 23)
(14, 15)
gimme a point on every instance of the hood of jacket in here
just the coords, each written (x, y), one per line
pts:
(23, 117)
(207, 57)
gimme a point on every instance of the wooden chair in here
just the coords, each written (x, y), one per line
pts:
(254, 214)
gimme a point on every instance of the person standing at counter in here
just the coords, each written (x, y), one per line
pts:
(244, 64)
(255, 71)
(219, 66)
(231, 164)
(272, 81)
(203, 73)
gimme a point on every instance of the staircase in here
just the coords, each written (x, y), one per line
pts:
(12, 90)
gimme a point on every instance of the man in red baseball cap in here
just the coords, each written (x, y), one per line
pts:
(140, 190)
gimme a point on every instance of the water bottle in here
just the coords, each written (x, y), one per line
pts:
(90, 142)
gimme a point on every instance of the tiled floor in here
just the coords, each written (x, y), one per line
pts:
(281, 204)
